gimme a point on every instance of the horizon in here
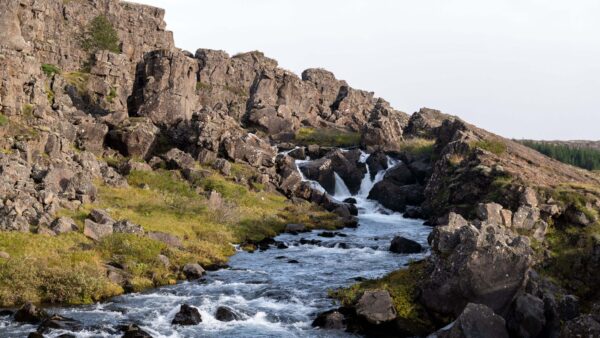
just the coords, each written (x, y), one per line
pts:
(547, 91)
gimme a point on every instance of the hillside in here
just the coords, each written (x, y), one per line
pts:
(583, 154)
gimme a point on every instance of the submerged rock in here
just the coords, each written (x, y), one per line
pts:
(187, 315)
(226, 314)
(134, 331)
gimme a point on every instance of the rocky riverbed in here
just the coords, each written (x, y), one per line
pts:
(268, 293)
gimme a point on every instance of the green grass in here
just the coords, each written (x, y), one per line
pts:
(27, 110)
(403, 287)
(418, 146)
(50, 69)
(3, 120)
(327, 137)
(79, 80)
(496, 147)
(51, 270)
(70, 268)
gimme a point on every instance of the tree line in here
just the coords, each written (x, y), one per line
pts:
(587, 158)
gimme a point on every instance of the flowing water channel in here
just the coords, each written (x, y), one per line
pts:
(277, 292)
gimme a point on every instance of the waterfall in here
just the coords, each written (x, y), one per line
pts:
(341, 190)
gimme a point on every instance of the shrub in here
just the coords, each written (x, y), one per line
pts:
(100, 35)
(50, 70)
(3, 120)
(78, 80)
(327, 137)
(112, 94)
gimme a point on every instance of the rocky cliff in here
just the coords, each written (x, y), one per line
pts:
(99, 110)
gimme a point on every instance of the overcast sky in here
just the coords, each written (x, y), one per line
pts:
(520, 68)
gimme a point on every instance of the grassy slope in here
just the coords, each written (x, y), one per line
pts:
(71, 268)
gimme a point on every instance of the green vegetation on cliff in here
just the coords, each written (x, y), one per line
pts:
(327, 137)
(100, 35)
(586, 158)
(71, 268)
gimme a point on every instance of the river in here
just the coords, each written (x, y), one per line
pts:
(276, 293)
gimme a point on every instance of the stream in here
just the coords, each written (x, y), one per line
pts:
(276, 293)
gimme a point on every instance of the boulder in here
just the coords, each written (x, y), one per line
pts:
(476, 321)
(63, 225)
(377, 162)
(526, 318)
(178, 160)
(525, 217)
(585, 326)
(187, 315)
(136, 139)
(330, 320)
(193, 271)
(321, 171)
(490, 212)
(35, 335)
(29, 313)
(57, 322)
(475, 263)
(134, 331)
(399, 175)
(376, 307)
(298, 153)
(295, 228)
(97, 231)
(168, 239)
(127, 227)
(4, 255)
(100, 216)
(403, 245)
(226, 314)
(223, 166)
(395, 197)
(577, 217)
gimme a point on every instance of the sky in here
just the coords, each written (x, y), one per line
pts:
(519, 68)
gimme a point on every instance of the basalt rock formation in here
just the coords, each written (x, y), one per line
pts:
(516, 239)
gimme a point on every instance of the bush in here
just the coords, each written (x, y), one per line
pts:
(327, 137)
(100, 35)
(50, 70)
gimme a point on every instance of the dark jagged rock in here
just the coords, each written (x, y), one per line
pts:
(395, 197)
(484, 264)
(476, 321)
(527, 318)
(187, 315)
(134, 331)
(29, 313)
(403, 245)
(226, 314)
(56, 322)
(330, 320)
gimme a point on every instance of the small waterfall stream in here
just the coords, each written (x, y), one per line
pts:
(276, 293)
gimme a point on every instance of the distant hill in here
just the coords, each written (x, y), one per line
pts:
(583, 154)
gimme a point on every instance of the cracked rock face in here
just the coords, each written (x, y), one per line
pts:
(476, 262)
